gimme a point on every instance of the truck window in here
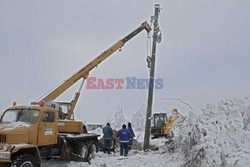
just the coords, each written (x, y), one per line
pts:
(29, 116)
(26, 115)
(48, 116)
(10, 116)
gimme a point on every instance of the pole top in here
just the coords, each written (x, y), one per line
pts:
(157, 10)
(157, 5)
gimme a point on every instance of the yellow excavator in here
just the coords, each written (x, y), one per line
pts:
(161, 124)
(42, 130)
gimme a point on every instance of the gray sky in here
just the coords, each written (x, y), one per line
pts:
(203, 58)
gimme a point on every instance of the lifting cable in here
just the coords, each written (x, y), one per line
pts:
(149, 41)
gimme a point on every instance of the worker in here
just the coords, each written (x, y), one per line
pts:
(124, 136)
(132, 135)
(107, 136)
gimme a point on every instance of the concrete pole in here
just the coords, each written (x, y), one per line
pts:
(151, 80)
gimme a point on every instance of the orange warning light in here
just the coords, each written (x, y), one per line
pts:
(14, 103)
(42, 104)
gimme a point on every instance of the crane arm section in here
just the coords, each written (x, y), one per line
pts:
(84, 72)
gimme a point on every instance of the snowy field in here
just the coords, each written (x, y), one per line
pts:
(220, 136)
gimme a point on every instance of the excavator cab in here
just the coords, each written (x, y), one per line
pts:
(158, 123)
(159, 119)
(162, 124)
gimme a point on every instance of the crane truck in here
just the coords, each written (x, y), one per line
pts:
(42, 130)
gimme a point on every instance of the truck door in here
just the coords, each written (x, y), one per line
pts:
(47, 129)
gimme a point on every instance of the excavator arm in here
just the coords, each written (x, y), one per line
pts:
(84, 72)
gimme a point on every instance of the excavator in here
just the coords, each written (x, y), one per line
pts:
(162, 127)
(42, 130)
(162, 124)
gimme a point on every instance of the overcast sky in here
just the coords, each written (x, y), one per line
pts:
(204, 55)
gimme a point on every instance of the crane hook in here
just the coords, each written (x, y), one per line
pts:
(149, 59)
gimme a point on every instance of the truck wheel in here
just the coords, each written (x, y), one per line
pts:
(25, 161)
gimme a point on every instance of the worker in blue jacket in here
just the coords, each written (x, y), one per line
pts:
(107, 136)
(132, 135)
(124, 136)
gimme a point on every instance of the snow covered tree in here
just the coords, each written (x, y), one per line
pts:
(117, 120)
(218, 137)
(138, 118)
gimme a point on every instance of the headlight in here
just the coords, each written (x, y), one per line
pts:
(4, 155)
(6, 147)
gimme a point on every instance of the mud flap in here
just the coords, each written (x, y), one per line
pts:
(65, 148)
(67, 154)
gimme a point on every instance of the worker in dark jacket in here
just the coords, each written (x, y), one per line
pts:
(124, 136)
(107, 135)
(132, 135)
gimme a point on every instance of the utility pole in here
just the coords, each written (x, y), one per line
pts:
(156, 38)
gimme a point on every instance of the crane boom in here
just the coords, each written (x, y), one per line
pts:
(84, 72)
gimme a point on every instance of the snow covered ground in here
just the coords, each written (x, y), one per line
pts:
(220, 136)
(139, 159)
(135, 158)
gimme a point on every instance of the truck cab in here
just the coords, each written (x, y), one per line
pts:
(24, 129)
